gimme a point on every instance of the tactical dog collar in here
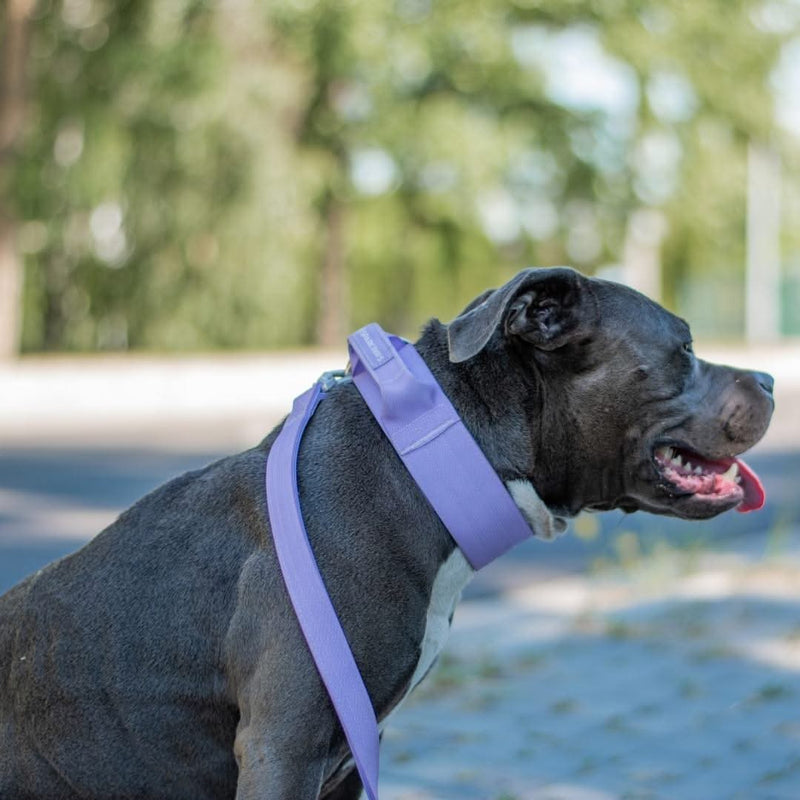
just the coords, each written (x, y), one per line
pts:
(448, 466)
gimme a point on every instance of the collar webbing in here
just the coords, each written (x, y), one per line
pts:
(435, 446)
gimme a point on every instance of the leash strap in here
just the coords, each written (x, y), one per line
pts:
(315, 612)
(449, 467)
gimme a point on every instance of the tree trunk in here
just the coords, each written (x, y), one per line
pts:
(12, 107)
(10, 290)
(332, 284)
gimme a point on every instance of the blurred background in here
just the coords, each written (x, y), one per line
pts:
(181, 175)
(199, 200)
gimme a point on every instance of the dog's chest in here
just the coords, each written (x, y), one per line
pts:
(450, 581)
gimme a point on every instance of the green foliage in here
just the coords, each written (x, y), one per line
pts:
(181, 160)
(140, 183)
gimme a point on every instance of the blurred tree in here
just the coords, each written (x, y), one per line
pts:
(135, 181)
(464, 138)
(14, 35)
(266, 173)
(705, 71)
(117, 168)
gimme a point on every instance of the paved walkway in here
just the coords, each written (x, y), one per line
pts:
(675, 679)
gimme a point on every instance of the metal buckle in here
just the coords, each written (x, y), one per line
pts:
(332, 378)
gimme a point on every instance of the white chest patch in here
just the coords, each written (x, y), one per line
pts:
(450, 581)
(543, 524)
(456, 573)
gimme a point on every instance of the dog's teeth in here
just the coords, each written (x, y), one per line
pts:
(738, 479)
(688, 466)
(732, 472)
(664, 453)
(698, 471)
(678, 461)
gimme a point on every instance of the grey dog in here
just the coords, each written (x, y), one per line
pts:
(163, 659)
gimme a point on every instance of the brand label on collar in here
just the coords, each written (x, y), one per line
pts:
(374, 349)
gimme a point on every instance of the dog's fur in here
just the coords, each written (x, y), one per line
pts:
(163, 659)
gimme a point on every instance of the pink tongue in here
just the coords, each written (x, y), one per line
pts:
(754, 494)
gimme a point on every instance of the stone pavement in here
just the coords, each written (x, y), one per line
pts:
(677, 678)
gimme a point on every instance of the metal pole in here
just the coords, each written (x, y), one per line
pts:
(763, 278)
(641, 256)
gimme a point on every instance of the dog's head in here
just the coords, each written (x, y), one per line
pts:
(619, 411)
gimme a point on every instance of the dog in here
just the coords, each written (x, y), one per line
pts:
(164, 660)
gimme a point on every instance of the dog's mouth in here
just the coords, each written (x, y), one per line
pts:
(724, 483)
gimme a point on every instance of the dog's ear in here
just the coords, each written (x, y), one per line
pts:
(540, 306)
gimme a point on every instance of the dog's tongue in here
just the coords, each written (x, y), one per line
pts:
(754, 494)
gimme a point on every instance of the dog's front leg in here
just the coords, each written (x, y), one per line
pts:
(275, 769)
(351, 788)
(286, 721)
(283, 740)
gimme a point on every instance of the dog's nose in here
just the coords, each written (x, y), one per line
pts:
(765, 381)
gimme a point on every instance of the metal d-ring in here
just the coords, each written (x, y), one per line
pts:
(333, 377)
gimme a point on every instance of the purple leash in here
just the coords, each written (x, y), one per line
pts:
(450, 469)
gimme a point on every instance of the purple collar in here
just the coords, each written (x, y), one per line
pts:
(449, 468)
(436, 448)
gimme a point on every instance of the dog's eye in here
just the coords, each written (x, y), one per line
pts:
(687, 348)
